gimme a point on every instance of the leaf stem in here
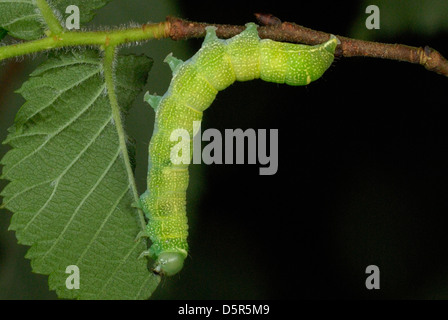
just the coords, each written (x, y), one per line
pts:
(50, 18)
(108, 67)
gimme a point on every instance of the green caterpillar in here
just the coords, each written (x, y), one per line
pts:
(195, 83)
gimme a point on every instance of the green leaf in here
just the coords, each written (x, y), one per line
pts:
(69, 187)
(23, 20)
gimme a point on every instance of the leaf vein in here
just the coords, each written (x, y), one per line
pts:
(66, 170)
(114, 207)
(103, 175)
(71, 121)
(119, 266)
(61, 92)
(18, 19)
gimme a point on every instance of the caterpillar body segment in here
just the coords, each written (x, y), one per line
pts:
(194, 86)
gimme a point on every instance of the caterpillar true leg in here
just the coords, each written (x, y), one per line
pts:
(193, 88)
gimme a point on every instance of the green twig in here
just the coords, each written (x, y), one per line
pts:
(98, 38)
(50, 18)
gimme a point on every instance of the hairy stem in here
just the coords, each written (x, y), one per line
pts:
(98, 38)
(108, 67)
(49, 17)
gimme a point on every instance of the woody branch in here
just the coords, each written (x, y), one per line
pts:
(276, 30)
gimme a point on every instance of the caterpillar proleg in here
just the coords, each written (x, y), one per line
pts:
(195, 83)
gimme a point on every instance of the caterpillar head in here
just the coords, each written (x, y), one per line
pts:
(169, 263)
